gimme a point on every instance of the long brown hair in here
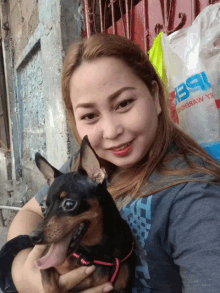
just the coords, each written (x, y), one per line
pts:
(130, 182)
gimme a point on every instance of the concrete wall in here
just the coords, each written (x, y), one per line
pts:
(23, 20)
(2, 127)
(40, 32)
(3, 167)
(72, 25)
(3, 176)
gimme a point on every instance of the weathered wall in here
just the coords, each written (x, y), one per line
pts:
(31, 103)
(72, 22)
(3, 171)
(23, 19)
(2, 127)
(72, 25)
(40, 32)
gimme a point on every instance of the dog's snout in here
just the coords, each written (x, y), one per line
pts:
(37, 237)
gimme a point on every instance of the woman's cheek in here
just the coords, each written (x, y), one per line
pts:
(92, 133)
(81, 129)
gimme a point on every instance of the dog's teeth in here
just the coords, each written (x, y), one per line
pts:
(77, 233)
(81, 225)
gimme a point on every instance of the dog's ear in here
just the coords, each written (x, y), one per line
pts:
(90, 163)
(49, 172)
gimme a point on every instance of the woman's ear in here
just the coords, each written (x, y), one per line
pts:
(156, 96)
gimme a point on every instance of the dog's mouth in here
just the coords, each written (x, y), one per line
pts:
(78, 235)
(57, 252)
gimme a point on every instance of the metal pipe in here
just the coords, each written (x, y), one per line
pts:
(127, 19)
(2, 219)
(101, 16)
(193, 10)
(122, 17)
(7, 208)
(87, 20)
(10, 208)
(145, 27)
(131, 19)
(113, 17)
(93, 16)
(165, 15)
(3, 99)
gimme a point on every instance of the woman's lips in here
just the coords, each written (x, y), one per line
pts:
(122, 151)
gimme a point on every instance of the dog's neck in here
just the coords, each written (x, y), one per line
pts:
(117, 238)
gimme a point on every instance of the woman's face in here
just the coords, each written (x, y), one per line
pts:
(115, 109)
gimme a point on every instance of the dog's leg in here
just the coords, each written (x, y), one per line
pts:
(50, 281)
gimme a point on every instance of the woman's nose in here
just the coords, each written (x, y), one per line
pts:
(111, 128)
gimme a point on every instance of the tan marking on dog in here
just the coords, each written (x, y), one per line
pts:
(122, 278)
(85, 284)
(59, 227)
(95, 231)
(68, 265)
(98, 277)
(50, 281)
(63, 194)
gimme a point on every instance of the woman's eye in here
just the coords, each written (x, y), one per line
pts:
(125, 103)
(88, 116)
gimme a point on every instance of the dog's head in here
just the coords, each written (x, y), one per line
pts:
(70, 192)
(72, 212)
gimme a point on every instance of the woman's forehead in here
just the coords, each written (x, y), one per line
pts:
(98, 68)
(105, 76)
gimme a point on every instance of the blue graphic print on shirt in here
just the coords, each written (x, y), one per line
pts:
(137, 213)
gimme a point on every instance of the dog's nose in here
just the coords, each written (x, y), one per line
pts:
(37, 237)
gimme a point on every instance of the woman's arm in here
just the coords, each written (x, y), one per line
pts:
(194, 233)
(26, 276)
(26, 219)
(24, 223)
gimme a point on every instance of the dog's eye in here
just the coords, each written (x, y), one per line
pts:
(69, 205)
(44, 207)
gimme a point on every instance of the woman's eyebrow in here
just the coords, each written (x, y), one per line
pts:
(111, 98)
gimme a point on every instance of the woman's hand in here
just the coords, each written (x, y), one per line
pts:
(26, 276)
(29, 278)
(71, 279)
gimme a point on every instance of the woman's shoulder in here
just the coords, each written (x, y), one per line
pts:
(67, 166)
(170, 186)
(178, 163)
(187, 188)
(174, 160)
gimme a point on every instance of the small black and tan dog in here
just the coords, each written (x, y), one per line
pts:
(82, 226)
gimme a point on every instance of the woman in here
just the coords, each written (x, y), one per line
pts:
(164, 183)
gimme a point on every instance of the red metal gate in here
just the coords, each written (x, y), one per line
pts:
(142, 20)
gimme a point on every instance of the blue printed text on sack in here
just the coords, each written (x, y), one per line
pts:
(194, 83)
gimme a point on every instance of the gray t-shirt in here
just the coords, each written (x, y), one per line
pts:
(177, 232)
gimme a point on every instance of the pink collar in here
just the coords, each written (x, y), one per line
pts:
(116, 262)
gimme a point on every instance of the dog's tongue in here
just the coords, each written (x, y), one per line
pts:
(55, 256)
